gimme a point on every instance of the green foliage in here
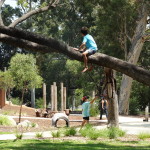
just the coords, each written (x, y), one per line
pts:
(56, 134)
(24, 71)
(73, 66)
(103, 133)
(78, 95)
(114, 132)
(4, 120)
(134, 106)
(70, 131)
(19, 136)
(144, 136)
(39, 135)
(84, 131)
(6, 80)
(94, 110)
(15, 101)
(33, 124)
(39, 103)
(93, 134)
(47, 144)
(139, 98)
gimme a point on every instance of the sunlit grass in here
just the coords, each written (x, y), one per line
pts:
(73, 145)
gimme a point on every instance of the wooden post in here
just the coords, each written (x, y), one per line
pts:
(44, 96)
(2, 98)
(64, 97)
(55, 96)
(52, 97)
(62, 101)
(33, 97)
(146, 113)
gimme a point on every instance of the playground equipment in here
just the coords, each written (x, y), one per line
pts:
(58, 116)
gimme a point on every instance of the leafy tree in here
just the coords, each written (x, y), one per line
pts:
(86, 14)
(24, 73)
(6, 82)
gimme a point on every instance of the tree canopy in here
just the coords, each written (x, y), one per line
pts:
(12, 35)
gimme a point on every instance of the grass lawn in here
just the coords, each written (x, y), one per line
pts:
(73, 145)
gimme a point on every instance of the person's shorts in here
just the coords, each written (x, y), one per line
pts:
(90, 51)
(86, 118)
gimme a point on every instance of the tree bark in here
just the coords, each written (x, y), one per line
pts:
(112, 97)
(33, 41)
(133, 57)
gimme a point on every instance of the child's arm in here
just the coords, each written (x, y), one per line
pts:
(81, 46)
(93, 99)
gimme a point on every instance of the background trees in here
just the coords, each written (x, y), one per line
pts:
(111, 22)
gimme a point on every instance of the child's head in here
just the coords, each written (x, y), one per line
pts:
(84, 98)
(84, 30)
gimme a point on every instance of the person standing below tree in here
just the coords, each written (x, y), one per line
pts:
(103, 107)
(86, 109)
(88, 47)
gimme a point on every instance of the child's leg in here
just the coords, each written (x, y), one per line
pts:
(83, 123)
(91, 67)
(85, 61)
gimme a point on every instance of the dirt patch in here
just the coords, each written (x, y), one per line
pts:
(44, 124)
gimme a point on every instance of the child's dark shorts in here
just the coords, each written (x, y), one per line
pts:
(90, 51)
(86, 118)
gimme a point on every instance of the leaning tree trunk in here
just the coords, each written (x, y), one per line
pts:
(133, 57)
(110, 88)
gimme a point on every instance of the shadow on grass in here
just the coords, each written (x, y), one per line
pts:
(68, 145)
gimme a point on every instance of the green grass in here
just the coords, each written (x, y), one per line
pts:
(6, 132)
(114, 132)
(144, 136)
(73, 145)
(93, 134)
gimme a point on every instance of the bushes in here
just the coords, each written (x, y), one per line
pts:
(39, 135)
(134, 106)
(6, 121)
(93, 133)
(94, 110)
(15, 101)
(114, 132)
(39, 103)
(70, 131)
(56, 134)
(143, 136)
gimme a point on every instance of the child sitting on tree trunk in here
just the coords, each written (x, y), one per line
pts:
(88, 47)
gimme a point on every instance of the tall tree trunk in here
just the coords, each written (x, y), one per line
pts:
(110, 88)
(133, 57)
(113, 117)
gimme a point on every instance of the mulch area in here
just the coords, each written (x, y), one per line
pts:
(44, 124)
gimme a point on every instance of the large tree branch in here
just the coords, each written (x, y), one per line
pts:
(1, 3)
(34, 12)
(17, 42)
(135, 72)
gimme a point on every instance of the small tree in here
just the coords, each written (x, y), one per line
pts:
(25, 74)
(6, 82)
